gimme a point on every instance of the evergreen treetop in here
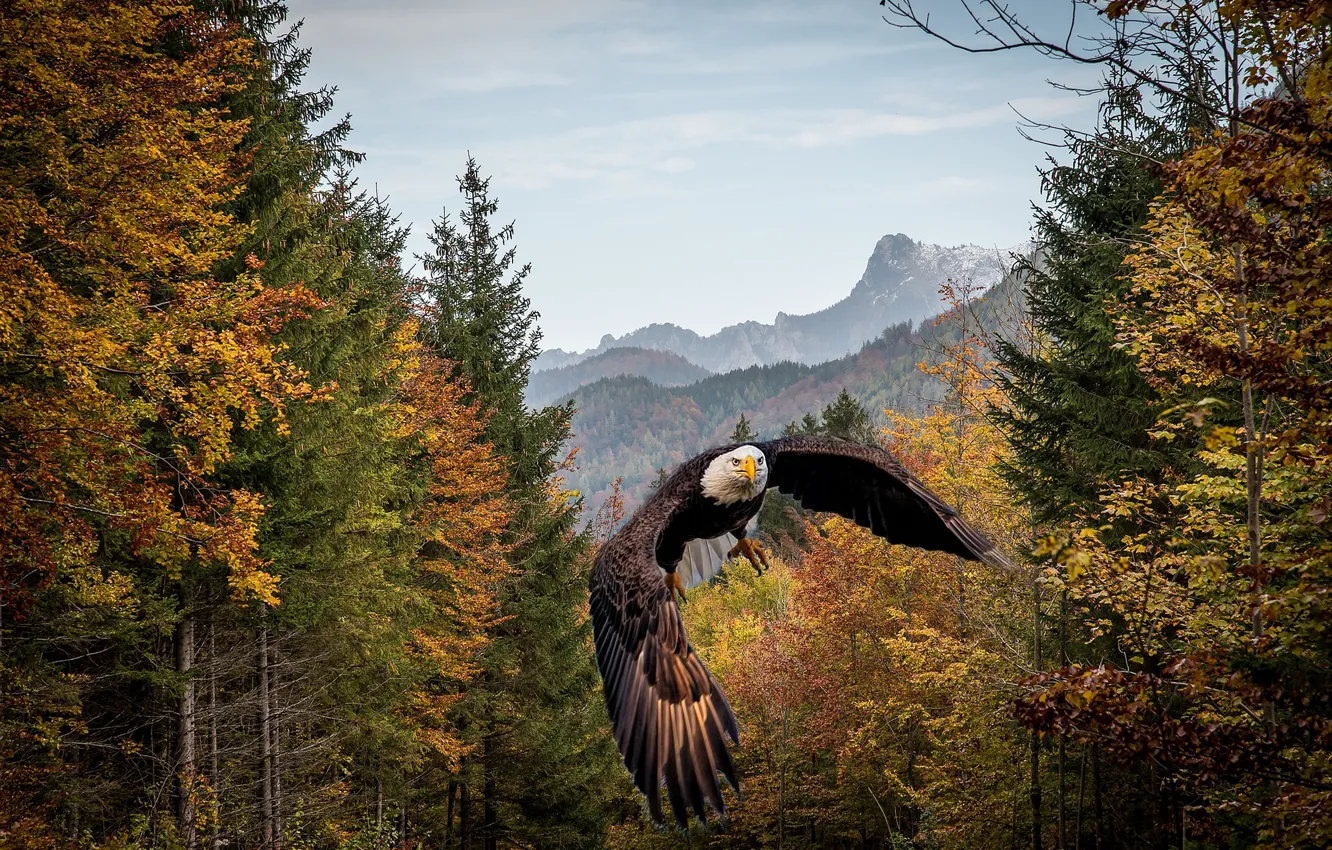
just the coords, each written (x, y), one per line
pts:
(743, 432)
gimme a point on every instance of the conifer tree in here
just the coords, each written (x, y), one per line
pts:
(540, 771)
(847, 418)
(780, 518)
(1080, 407)
(1078, 411)
(743, 432)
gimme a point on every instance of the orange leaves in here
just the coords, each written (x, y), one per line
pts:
(466, 511)
(126, 364)
(869, 670)
(462, 524)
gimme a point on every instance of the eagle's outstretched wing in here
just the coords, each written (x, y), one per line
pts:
(668, 714)
(868, 485)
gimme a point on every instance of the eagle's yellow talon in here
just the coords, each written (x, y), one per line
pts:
(674, 582)
(753, 552)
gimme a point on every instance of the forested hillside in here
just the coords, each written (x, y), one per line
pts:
(628, 427)
(290, 561)
(660, 367)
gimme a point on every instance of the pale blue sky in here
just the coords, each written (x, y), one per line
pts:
(701, 163)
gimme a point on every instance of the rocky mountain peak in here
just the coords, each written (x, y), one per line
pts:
(901, 283)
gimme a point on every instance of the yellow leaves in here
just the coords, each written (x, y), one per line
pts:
(1076, 562)
(251, 583)
(1071, 549)
(89, 587)
(1049, 544)
(1218, 438)
(133, 361)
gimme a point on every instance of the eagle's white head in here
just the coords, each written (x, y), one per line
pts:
(736, 476)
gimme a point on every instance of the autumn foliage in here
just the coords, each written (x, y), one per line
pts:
(149, 383)
(287, 560)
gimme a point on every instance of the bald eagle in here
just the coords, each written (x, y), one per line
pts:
(669, 716)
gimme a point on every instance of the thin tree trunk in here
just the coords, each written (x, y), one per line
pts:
(491, 825)
(465, 812)
(1096, 795)
(215, 774)
(1062, 840)
(1082, 796)
(1035, 738)
(187, 759)
(379, 805)
(265, 748)
(448, 820)
(1253, 460)
(1063, 818)
(277, 756)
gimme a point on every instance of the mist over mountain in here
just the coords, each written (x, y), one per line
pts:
(900, 283)
(663, 368)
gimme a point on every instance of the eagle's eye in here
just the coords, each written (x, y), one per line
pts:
(760, 461)
(735, 461)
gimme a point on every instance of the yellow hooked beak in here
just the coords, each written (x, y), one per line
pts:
(747, 467)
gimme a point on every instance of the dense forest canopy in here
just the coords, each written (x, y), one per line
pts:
(288, 560)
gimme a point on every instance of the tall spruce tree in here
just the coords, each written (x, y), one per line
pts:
(780, 517)
(743, 432)
(541, 773)
(1080, 410)
(847, 418)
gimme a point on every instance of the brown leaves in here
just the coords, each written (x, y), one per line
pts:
(125, 363)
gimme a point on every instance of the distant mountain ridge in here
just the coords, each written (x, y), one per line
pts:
(627, 426)
(663, 368)
(901, 283)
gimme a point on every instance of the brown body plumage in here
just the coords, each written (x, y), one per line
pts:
(669, 715)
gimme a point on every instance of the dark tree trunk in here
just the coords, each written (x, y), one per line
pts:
(1096, 796)
(265, 748)
(186, 755)
(448, 821)
(276, 713)
(1035, 738)
(491, 826)
(465, 812)
(215, 773)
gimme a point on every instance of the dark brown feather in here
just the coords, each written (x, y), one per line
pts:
(867, 485)
(667, 712)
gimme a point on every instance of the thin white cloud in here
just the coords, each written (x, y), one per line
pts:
(664, 57)
(674, 165)
(665, 143)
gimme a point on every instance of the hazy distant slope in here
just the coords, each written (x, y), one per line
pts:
(663, 368)
(628, 427)
(900, 283)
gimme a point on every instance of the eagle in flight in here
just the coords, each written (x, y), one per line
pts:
(669, 716)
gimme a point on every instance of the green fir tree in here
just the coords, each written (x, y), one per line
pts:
(743, 431)
(543, 772)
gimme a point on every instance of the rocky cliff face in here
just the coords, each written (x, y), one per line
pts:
(901, 282)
